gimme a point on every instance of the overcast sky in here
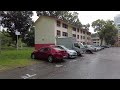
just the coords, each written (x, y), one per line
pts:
(90, 16)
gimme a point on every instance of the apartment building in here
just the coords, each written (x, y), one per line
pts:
(47, 29)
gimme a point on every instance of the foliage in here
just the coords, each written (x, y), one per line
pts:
(16, 21)
(106, 30)
(5, 41)
(29, 38)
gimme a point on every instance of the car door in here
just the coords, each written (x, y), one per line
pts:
(45, 53)
(40, 53)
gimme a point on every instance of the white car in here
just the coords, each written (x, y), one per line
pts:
(71, 53)
(91, 47)
(97, 48)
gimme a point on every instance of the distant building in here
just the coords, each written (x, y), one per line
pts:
(47, 29)
(96, 40)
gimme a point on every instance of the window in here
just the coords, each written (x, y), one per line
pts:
(58, 33)
(83, 43)
(83, 32)
(74, 35)
(74, 29)
(65, 34)
(65, 26)
(78, 30)
(58, 23)
(45, 50)
(77, 36)
(83, 37)
(58, 47)
(76, 45)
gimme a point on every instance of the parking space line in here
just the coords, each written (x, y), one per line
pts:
(58, 65)
(73, 61)
(28, 76)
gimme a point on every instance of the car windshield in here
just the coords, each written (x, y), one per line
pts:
(56, 48)
(81, 45)
(65, 48)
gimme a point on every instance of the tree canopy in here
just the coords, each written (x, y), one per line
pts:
(16, 21)
(106, 30)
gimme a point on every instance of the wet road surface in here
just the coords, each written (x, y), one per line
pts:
(104, 64)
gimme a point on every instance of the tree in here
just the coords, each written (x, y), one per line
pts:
(110, 32)
(5, 41)
(106, 30)
(16, 20)
(29, 37)
(98, 26)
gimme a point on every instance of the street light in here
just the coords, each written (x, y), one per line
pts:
(17, 33)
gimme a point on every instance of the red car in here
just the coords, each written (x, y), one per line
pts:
(49, 53)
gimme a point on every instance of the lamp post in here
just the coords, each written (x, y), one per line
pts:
(17, 33)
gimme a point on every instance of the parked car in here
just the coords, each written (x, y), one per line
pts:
(71, 43)
(71, 53)
(102, 47)
(49, 53)
(98, 48)
(89, 49)
(106, 46)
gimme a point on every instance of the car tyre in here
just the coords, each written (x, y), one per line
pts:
(33, 56)
(50, 59)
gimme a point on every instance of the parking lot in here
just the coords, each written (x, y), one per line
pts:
(104, 64)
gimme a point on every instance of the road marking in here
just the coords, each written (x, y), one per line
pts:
(31, 69)
(58, 65)
(28, 76)
(73, 61)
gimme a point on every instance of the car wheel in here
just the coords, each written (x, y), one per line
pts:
(50, 59)
(33, 56)
(79, 54)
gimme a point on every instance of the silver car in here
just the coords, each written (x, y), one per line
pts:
(71, 53)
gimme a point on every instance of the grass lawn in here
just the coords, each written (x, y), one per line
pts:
(12, 58)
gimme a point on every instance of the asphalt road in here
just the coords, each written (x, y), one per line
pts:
(104, 64)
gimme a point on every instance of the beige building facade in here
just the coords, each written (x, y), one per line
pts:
(97, 41)
(47, 29)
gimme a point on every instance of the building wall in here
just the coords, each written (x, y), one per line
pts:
(69, 31)
(44, 32)
(61, 29)
(97, 41)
